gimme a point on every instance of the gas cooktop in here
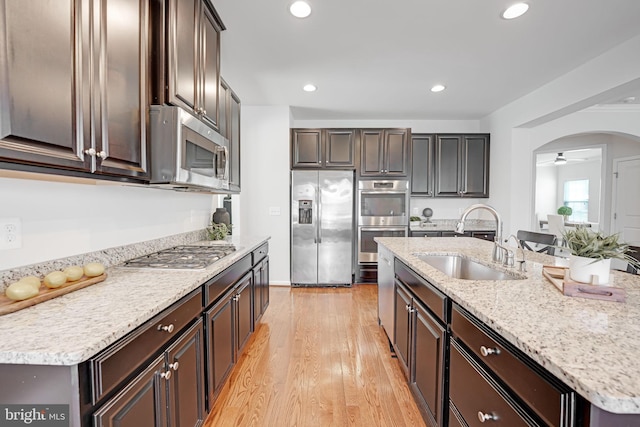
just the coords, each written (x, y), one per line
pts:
(182, 257)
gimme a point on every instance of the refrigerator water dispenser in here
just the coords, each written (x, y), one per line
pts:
(305, 212)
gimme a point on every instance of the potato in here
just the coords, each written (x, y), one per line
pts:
(31, 280)
(19, 291)
(55, 279)
(93, 269)
(73, 273)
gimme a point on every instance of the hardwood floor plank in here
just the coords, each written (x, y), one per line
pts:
(317, 358)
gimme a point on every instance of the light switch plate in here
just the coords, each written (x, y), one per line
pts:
(274, 210)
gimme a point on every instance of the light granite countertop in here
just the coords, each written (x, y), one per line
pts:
(450, 225)
(591, 345)
(71, 328)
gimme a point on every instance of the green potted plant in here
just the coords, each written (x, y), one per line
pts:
(217, 231)
(565, 211)
(592, 252)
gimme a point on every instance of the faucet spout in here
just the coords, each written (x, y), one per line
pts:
(497, 251)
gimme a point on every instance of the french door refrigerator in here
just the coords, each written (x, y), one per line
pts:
(322, 228)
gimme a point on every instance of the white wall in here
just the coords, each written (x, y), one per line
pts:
(265, 183)
(546, 192)
(549, 113)
(61, 219)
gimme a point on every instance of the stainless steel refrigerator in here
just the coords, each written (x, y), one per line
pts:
(322, 228)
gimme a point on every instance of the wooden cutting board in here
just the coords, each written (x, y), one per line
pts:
(559, 276)
(9, 306)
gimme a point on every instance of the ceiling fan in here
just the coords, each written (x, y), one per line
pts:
(561, 159)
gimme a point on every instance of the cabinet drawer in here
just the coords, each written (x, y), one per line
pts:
(119, 361)
(474, 395)
(221, 283)
(545, 395)
(260, 253)
(435, 300)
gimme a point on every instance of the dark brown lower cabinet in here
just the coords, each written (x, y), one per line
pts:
(169, 392)
(479, 399)
(261, 289)
(420, 346)
(229, 326)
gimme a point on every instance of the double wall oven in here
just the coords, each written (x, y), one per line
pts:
(382, 212)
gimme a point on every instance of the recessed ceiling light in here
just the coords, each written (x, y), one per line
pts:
(438, 88)
(300, 9)
(515, 10)
(310, 88)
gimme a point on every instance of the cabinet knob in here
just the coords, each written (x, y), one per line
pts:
(102, 154)
(486, 417)
(166, 375)
(203, 111)
(167, 328)
(174, 366)
(90, 151)
(487, 351)
(407, 307)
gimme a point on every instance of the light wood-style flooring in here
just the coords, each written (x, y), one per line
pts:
(318, 358)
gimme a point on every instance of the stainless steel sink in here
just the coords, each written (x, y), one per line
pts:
(460, 267)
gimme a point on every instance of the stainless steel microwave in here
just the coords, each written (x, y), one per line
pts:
(186, 154)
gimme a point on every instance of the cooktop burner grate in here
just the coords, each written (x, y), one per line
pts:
(182, 257)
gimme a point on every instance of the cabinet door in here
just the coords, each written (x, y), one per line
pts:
(182, 56)
(428, 363)
(185, 360)
(120, 96)
(396, 156)
(371, 152)
(422, 165)
(475, 166)
(265, 284)
(306, 148)
(210, 63)
(447, 165)
(244, 311)
(142, 403)
(339, 150)
(223, 106)
(261, 289)
(220, 344)
(234, 142)
(43, 102)
(401, 335)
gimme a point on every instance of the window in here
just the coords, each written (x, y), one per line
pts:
(576, 196)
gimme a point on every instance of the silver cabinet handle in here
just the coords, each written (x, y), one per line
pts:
(174, 366)
(102, 154)
(167, 328)
(166, 375)
(90, 151)
(486, 417)
(487, 351)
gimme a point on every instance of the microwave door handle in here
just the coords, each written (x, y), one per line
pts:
(226, 162)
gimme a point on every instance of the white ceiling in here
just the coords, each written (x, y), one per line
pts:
(375, 59)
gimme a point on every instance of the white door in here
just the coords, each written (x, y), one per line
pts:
(626, 216)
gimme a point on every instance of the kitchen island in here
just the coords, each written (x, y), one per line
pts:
(592, 346)
(46, 348)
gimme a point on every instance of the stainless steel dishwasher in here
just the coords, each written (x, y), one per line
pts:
(385, 291)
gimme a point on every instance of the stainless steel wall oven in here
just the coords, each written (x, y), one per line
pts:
(382, 212)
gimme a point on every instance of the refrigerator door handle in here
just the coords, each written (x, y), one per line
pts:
(319, 220)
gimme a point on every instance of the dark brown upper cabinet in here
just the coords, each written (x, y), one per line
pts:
(384, 152)
(73, 90)
(422, 174)
(229, 127)
(323, 148)
(186, 49)
(462, 165)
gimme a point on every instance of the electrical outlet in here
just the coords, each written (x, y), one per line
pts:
(10, 233)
